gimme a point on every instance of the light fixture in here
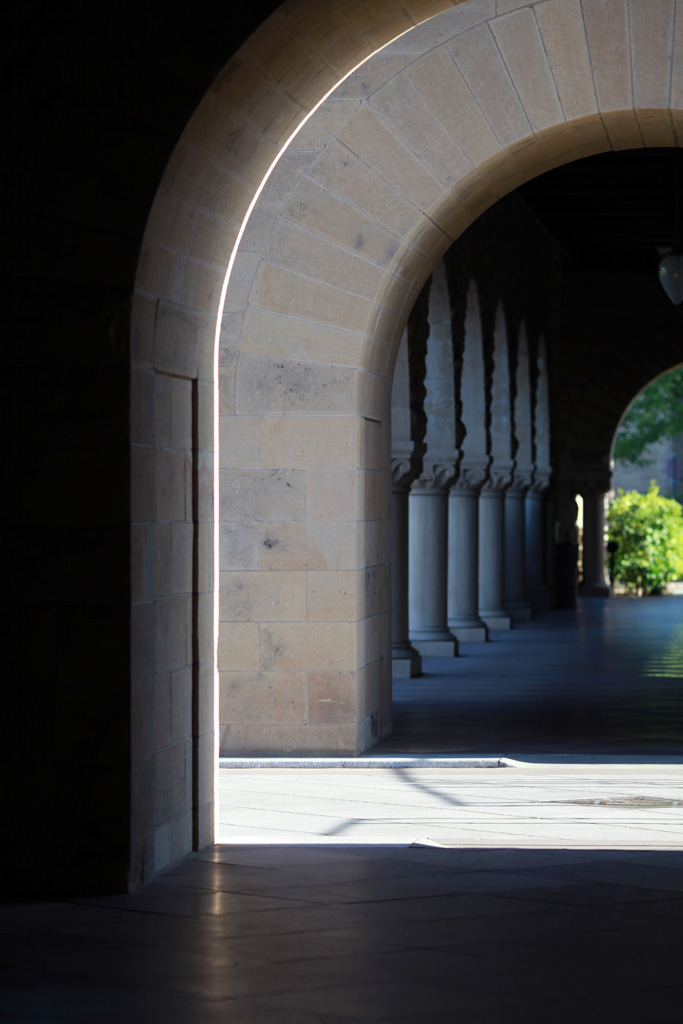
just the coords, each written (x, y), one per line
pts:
(671, 267)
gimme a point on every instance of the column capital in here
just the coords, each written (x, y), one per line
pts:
(472, 476)
(540, 482)
(499, 478)
(439, 470)
(406, 464)
(522, 479)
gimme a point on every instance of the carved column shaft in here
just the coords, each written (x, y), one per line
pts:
(463, 556)
(406, 660)
(593, 583)
(492, 550)
(428, 547)
(514, 592)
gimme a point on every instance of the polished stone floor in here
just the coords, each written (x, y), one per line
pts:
(547, 891)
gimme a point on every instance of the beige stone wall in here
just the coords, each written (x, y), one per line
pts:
(401, 157)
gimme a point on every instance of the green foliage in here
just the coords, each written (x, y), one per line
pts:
(656, 414)
(649, 532)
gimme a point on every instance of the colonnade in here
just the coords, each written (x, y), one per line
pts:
(470, 476)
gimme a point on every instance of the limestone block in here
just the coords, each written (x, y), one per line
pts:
(623, 129)
(213, 242)
(238, 646)
(205, 700)
(181, 703)
(203, 484)
(142, 797)
(269, 334)
(172, 615)
(559, 145)
(143, 315)
(142, 563)
(259, 226)
(608, 39)
(241, 280)
(263, 697)
(308, 441)
(651, 33)
(142, 719)
(176, 339)
(227, 372)
(230, 336)
(289, 294)
(294, 646)
(290, 168)
(335, 38)
(238, 441)
(369, 138)
(288, 739)
(205, 440)
(590, 135)
(262, 596)
(162, 711)
(323, 545)
(677, 69)
(331, 596)
(410, 116)
(172, 412)
(331, 698)
(443, 87)
(239, 545)
(262, 495)
(170, 485)
(370, 542)
(564, 39)
(370, 639)
(141, 406)
(341, 172)
(143, 481)
(520, 43)
(259, 100)
(368, 688)
(313, 208)
(143, 635)
(266, 385)
(476, 54)
(371, 76)
(656, 127)
(372, 501)
(331, 494)
(325, 122)
(172, 781)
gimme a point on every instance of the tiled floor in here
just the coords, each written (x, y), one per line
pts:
(420, 895)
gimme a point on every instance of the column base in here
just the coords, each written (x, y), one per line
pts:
(496, 621)
(406, 664)
(436, 648)
(593, 590)
(469, 634)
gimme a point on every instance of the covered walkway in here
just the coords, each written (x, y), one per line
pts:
(602, 681)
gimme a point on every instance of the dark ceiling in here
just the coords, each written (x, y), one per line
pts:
(610, 211)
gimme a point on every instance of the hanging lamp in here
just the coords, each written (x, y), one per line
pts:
(671, 267)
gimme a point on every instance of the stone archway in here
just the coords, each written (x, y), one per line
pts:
(387, 172)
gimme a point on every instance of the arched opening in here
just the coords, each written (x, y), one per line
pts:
(393, 166)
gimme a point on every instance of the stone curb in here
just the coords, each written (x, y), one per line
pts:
(362, 762)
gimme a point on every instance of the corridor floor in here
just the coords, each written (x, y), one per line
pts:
(537, 892)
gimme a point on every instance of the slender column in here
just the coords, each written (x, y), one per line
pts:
(463, 556)
(534, 541)
(593, 583)
(406, 661)
(428, 563)
(515, 559)
(492, 550)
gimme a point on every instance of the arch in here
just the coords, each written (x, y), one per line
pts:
(344, 229)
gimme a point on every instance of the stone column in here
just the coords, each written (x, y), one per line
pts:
(492, 549)
(535, 541)
(428, 563)
(406, 661)
(514, 592)
(593, 582)
(463, 556)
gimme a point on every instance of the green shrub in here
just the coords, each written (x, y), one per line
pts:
(649, 532)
